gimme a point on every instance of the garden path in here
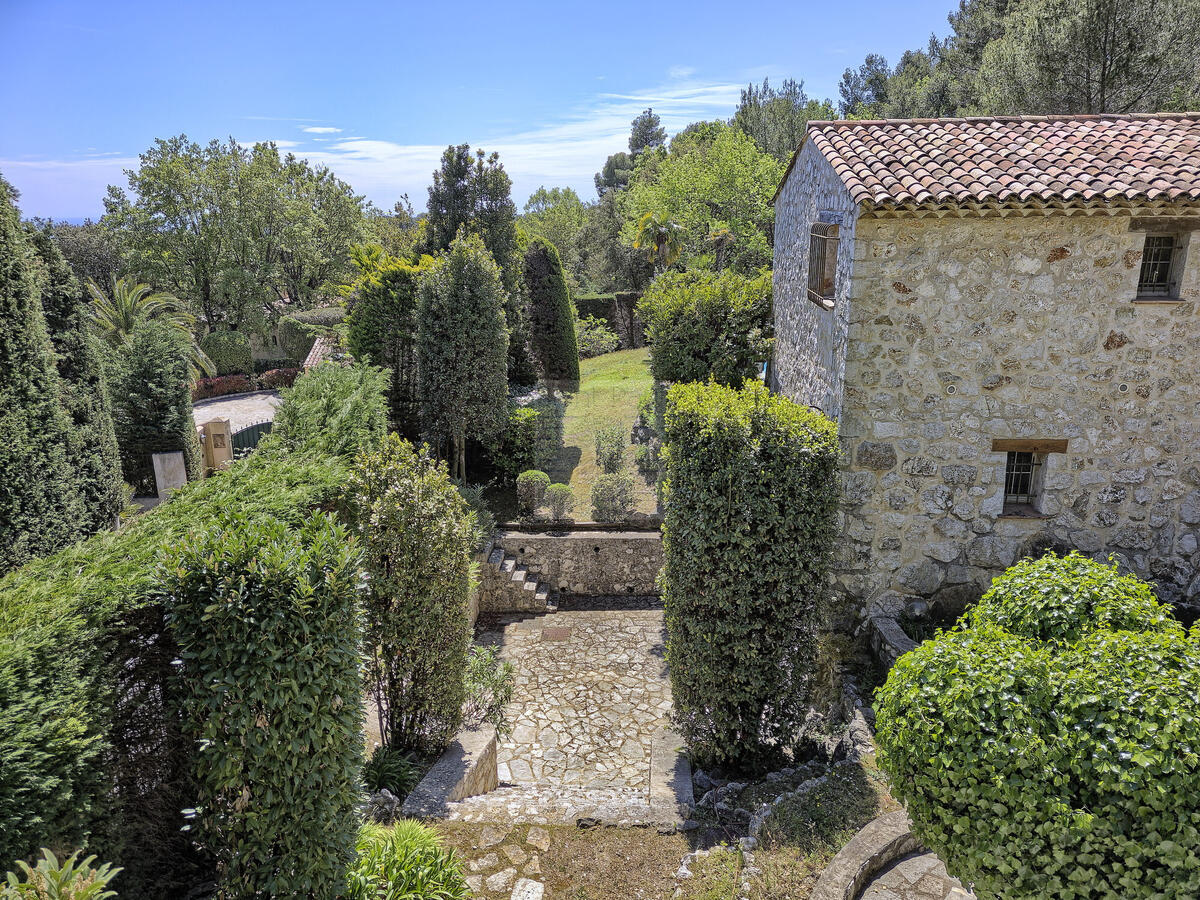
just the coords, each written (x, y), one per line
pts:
(920, 876)
(241, 410)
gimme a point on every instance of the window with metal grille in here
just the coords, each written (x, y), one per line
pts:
(1022, 481)
(1158, 276)
(822, 263)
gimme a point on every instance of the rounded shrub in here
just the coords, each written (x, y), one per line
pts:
(610, 449)
(531, 489)
(229, 351)
(561, 501)
(402, 861)
(612, 498)
(1049, 746)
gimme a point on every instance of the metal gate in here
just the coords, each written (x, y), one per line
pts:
(247, 438)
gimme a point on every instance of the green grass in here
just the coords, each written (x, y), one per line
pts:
(609, 389)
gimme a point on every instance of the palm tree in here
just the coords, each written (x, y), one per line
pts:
(129, 303)
(661, 238)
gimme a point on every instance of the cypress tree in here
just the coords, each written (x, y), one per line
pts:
(551, 313)
(40, 505)
(92, 454)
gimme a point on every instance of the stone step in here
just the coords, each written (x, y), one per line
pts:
(547, 804)
(530, 585)
(542, 595)
(509, 564)
(496, 557)
(519, 573)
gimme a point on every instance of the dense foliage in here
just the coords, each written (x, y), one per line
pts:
(610, 448)
(152, 403)
(488, 683)
(515, 450)
(417, 535)
(750, 521)
(268, 627)
(561, 501)
(298, 331)
(1047, 746)
(594, 337)
(776, 118)
(531, 489)
(402, 862)
(558, 215)
(702, 324)
(333, 409)
(612, 498)
(551, 314)
(229, 351)
(71, 879)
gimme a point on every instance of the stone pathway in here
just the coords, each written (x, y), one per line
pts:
(920, 876)
(591, 710)
(240, 411)
(507, 864)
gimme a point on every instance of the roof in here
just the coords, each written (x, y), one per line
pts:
(1014, 160)
(321, 349)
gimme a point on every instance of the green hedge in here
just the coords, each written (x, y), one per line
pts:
(551, 313)
(1049, 745)
(87, 745)
(229, 351)
(268, 626)
(298, 331)
(750, 520)
(333, 409)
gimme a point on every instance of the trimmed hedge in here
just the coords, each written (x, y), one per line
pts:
(229, 351)
(750, 521)
(1049, 745)
(531, 489)
(268, 626)
(551, 314)
(298, 331)
(220, 386)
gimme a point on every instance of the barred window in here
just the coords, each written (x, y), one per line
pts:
(1161, 264)
(822, 263)
(1022, 482)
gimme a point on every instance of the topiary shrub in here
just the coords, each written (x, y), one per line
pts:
(418, 535)
(333, 409)
(561, 501)
(610, 449)
(269, 631)
(750, 521)
(1047, 746)
(404, 861)
(593, 337)
(531, 489)
(229, 351)
(612, 498)
(298, 331)
(551, 315)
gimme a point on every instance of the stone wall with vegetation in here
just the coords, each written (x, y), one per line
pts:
(963, 331)
(589, 563)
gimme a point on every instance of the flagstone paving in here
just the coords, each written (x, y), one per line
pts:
(921, 876)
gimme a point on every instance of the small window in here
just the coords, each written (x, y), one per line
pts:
(1162, 262)
(822, 263)
(1023, 483)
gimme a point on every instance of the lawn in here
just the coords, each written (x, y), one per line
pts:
(609, 389)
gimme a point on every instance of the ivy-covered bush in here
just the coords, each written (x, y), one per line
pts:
(229, 351)
(612, 498)
(750, 521)
(298, 331)
(268, 629)
(703, 324)
(404, 861)
(610, 449)
(333, 409)
(417, 535)
(561, 500)
(531, 490)
(551, 314)
(593, 337)
(1048, 745)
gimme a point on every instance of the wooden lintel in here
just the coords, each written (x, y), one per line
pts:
(1167, 224)
(1028, 445)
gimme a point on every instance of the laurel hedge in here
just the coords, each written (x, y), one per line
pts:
(1049, 745)
(229, 351)
(750, 521)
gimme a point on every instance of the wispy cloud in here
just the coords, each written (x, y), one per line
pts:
(320, 129)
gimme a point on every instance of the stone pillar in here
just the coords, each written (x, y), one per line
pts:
(217, 439)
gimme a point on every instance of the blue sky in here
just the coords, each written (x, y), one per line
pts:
(377, 90)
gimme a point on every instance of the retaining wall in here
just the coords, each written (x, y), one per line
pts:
(589, 563)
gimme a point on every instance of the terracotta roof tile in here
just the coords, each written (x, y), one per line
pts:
(1015, 159)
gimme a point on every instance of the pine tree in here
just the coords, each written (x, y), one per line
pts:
(551, 313)
(41, 508)
(92, 454)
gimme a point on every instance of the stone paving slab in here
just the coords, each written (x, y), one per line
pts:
(919, 876)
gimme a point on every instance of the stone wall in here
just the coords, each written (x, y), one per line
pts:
(809, 363)
(589, 563)
(967, 330)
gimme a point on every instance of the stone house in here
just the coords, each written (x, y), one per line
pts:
(1003, 314)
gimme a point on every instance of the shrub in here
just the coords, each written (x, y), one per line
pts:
(404, 861)
(418, 536)
(298, 331)
(485, 522)
(703, 324)
(220, 386)
(391, 769)
(612, 498)
(488, 685)
(334, 410)
(561, 501)
(1030, 744)
(531, 489)
(152, 403)
(551, 315)
(71, 879)
(750, 520)
(610, 449)
(274, 379)
(268, 629)
(229, 351)
(594, 338)
(516, 448)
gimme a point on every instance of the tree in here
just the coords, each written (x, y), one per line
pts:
(460, 316)
(1095, 56)
(615, 174)
(401, 233)
(552, 315)
(558, 215)
(41, 507)
(611, 264)
(646, 133)
(92, 251)
(473, 192)
(92, 453)
(776, 119)
(417, 534)
(660, 239)
(239, 234)
(864, 90)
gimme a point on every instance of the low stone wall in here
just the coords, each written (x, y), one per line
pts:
(589, 563)
(877, 846)
(467, 768)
